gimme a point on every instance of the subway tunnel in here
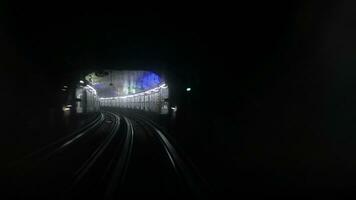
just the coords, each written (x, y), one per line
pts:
(173, 102)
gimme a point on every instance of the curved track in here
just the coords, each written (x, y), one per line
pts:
(117, 155)
(158, 169)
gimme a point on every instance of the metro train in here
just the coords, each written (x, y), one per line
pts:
(154, 100)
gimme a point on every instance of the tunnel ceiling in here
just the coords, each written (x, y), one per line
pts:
(112, 83)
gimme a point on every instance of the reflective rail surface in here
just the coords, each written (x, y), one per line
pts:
(117, 155)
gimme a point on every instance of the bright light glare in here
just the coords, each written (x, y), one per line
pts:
(81, 81)
(91, 88)
(189, 89)
(68, 106)
(66, 109)
(163, 86)
(147, 91)
(138, 94)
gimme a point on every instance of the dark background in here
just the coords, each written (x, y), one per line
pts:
(272, 103)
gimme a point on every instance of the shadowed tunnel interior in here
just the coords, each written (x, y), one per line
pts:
(260, 99)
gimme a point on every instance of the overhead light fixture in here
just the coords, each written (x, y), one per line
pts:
(93, 89)
(66, 109)
(163, 86)
(174, 108)
(81, 81)
(189, 89)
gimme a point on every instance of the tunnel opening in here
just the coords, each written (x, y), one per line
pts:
(132, 89)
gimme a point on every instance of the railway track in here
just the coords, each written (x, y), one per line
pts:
(46, 172)
(117, 155)
(56, 146)
(175, 170)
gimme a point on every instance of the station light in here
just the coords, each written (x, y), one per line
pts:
(174, 108)
(92, 88)
(65, 86)
(189, 89)
(163, 86)
(81, 81)
(66, 109)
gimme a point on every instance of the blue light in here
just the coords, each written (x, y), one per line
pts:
(99, 86)
(148, 80)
